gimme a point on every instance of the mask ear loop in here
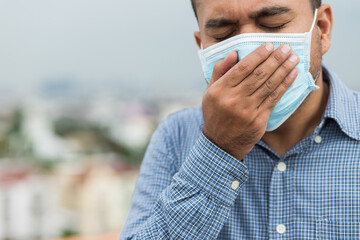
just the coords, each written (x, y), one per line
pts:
(315, 17)
(312, 27)
(317, 75)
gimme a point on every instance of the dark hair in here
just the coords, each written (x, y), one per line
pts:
(315, 4)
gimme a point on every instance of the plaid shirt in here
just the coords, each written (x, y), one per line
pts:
(189, 188)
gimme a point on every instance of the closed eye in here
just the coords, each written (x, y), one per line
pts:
(273, 28)
(219, 39)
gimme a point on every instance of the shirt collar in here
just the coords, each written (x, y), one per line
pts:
(343, 105)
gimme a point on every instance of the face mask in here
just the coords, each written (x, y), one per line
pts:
(244, 44)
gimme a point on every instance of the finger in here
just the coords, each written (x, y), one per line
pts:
(270, 102)
(275, 80)
(263, 72)
(223, 66)
(246, 65)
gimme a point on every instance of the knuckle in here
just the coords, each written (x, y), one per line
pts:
(261, 53)
(264, 94)
(287, 82)
(244, 114)
(286, 66)
(258, 123)
(249, 86)
(273, 97)
(284, 70)
(269, 84)
(213, 93)
(259, 74)
(278, 56)
(289, 79)
(244, 67)
(229, 104)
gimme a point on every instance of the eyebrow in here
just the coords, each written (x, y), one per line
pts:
(218, 23)
(264, 12)
(270, 11)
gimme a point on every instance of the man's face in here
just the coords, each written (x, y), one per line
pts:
(222, 19)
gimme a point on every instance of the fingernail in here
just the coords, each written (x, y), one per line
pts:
(269, 46)
(293, 73)
(285, 48)
(293, 58)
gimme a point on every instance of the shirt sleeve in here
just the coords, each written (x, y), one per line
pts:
(192, 204)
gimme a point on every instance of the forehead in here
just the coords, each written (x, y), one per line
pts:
(244, 8)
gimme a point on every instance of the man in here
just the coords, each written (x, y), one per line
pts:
(219, 173)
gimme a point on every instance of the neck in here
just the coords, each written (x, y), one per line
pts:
(302, 123)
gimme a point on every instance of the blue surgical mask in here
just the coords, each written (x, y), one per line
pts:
(246, 43)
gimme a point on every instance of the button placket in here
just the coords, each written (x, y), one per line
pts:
(280, 201)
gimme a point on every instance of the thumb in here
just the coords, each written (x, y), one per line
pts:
(221, 67)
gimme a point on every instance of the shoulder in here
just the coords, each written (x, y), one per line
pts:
(350, 113)
(184, 120)
(180, 131)
(352, 101)
(342, 96)
(356, 96)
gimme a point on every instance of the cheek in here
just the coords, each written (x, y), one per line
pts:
(316, 47)
(316, 53)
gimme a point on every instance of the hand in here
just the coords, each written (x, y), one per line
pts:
(240, 96)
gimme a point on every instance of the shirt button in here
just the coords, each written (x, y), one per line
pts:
(281, 166)
(235, 185)
(281, 228)
(318, 139)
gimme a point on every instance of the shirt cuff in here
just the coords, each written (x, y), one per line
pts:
(214, 171)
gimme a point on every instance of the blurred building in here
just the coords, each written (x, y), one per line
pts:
(84, 199)
(68, 170)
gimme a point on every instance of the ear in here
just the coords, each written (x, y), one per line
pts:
(324, 24)
(197, 38)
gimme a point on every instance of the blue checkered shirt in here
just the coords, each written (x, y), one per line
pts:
(189, 188)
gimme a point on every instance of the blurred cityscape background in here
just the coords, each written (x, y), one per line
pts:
(83, 84)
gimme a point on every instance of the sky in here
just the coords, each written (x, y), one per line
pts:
(139, 48)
